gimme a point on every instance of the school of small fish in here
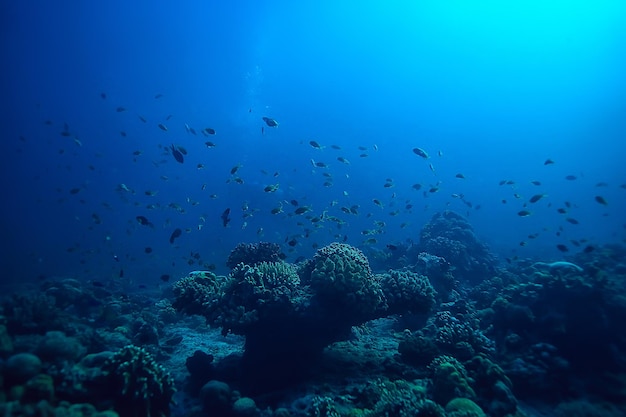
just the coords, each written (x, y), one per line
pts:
(278, 198)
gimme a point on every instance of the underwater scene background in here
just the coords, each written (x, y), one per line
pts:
(313, 208)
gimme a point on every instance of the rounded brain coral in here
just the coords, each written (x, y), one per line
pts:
(343, 280)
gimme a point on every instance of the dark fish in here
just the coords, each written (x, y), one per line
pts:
(175, 234)
(177, 154)
(570, 177)
(561, 210)
(535, 182)
(461, 176)
(162, 127)
(209, 144)
(392, 247)
(209, 131)
(601, 200)
(524, 213)
(315, 145)
(103, 96)
(292, 242)
(120, 109)
(548, 162)
(270, 122)
(294, 203)
(121, 274)
(158, 96)
(588, 249)
(74, 190)
(148, 249)
(536, 198)
(420, 152)
(562, 248)
(144, 221)
(302, 210)
(225, 217)
(165, 277)
(571, 220)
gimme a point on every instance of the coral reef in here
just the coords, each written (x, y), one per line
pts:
(450, 236)
(344, 283)
(254, 253)
(407, 292)
(289, 315)
(139, 385)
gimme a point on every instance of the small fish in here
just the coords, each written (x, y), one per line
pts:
(142, 220)
(461, 176)
(548, 162)
(571, 220)
(147, 249)
(143, 119)
(209, 130)
(225, 217)
(165, 277)
(122, 133)
(74, 190)
(416, 186)
(536, 198)
(302, 210)
(336, 147)
(420, 152)
(177, 154)
(524, 213)
(162, 127)
(570, 177)
(234, 169)
(392, 247)
(271, 188)
(562, 248)
(601, 200)
(378, 203)
(209, 144)
(292, 242)
(315, 145)
(535, 182)
(270, 122)
(343, 160)
(561, 210)
(588, 249)
(175, 234)
(158, 96)
(120, 109)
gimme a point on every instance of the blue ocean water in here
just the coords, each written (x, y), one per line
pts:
(145, 140)
(490, 91)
